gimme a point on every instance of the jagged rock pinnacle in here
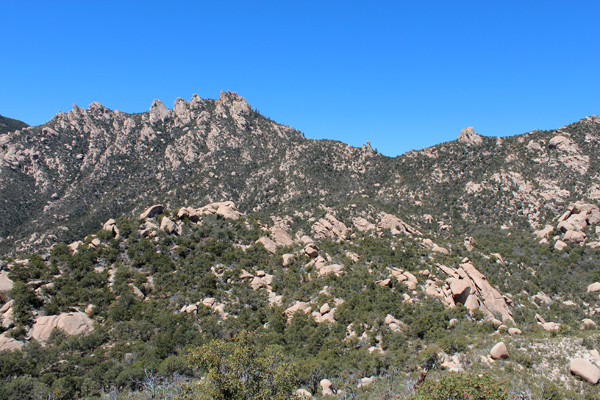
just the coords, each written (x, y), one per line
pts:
(469, 137)
(158, 111)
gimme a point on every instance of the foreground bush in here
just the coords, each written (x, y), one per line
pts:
(461, 387)
(239, 370)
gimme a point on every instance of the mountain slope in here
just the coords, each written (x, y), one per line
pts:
(352, 295)
(9, 124)
(64, 178)
(83, 165)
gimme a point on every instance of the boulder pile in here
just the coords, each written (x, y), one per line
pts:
(468, 286)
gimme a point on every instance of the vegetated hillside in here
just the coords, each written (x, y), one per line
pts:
(332, 262)
(60, 180)
(9, 124)
(349, 299)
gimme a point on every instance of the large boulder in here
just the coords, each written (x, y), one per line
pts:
(6, 314)
(8, 343)
(111, 226)
(587, 323)
(574, 236)
(561, 142)
(311, 250)
(226, 209)
(492, 302)
(331, 269)
(168, 226)
(362, 224)
(152, 211)
(257, 283)
(472, 302)
(461, 289)
(189, 213)
(280, 236)
(287, 260)
(303, 394)
(550, 326)
(585, 370)
(499, 351)
(594, 287)
(74, 247)
(326, 387)
(514, 331)
(297, 306)
(5, 283)
(269, 244)
(441, 250)
(73, 323)
(560, 245)
(544, 232)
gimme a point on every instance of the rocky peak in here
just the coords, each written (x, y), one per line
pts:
(96, 106)
(238, 108)
(469, 137)
(98, 110)
(76, 111)
(195, 100)
(158, 111)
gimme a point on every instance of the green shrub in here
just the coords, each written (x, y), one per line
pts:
(461, 387)
(240, 370)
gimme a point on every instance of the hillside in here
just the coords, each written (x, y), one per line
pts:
(153, 240)
(9, 124)
(343, 295)
(60, 180)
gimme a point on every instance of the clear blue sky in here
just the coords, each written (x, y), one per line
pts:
(400, 74)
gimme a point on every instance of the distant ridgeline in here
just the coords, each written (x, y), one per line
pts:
(62, 179)
(9, 124)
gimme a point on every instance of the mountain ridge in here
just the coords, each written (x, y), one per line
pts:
(9, 124)
(84, 165)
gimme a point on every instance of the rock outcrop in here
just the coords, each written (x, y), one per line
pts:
(297, 306)
(569, 153)
(226, 209)
(152, 211)
(469, 137)
(73, 323)
(329, 227)
(269, 244)
(362, 224)
(468, 286)
(395, 225)
(168, 226)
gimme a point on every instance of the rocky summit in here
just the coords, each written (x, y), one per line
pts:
(133, 246)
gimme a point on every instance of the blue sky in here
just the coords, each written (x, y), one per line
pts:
(399, 74)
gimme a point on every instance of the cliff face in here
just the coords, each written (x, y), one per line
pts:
(60, 180)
